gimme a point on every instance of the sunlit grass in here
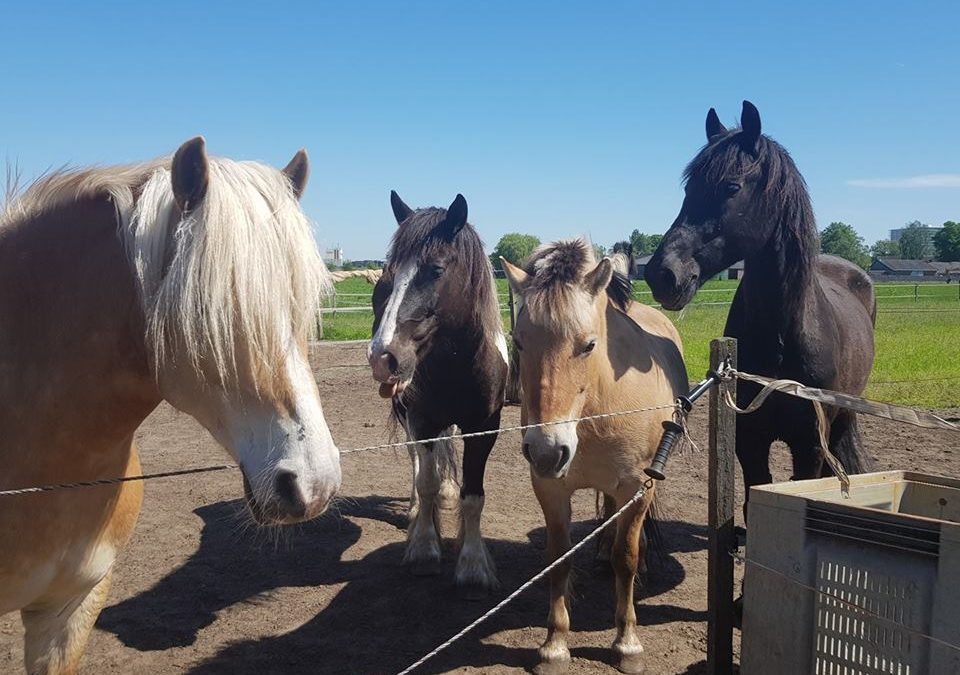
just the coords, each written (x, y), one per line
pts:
(917, 339)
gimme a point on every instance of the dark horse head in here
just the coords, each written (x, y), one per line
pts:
(744, 198)
(436, 268)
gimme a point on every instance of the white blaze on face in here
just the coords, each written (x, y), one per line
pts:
(388, 322)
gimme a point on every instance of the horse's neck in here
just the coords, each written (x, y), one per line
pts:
(75, 376)
(776, 285)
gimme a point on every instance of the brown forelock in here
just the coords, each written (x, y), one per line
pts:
(422, 237)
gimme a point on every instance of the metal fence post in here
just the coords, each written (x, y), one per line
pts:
(720, 523)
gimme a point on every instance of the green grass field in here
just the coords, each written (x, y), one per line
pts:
(917, 338)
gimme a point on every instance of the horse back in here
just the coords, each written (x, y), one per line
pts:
(843, 277)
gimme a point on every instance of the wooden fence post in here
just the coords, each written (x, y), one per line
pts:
(721, 535)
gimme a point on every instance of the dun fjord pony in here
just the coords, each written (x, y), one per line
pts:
(439, 352)
(195, 281)
(585, 348)
(796, 314)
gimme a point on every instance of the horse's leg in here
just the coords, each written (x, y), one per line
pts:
(846, 444)
(55, 636)
(628, 550)
(555, 502)
(804, 442)
(475, 567)
(414, 497)
(753, 453)
(423, 534)
(449, 497)
(607, 537)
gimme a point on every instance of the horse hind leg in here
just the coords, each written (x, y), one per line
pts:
(449, 497)
(606, 507)
(846, 444)
(55, 637)
(414, 496)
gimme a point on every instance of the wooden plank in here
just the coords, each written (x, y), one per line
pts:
(720, 523)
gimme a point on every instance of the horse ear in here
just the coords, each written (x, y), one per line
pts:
(456, 216)
(190, 173)
(714, 125)
(599, 277)
(400, 210)
(750, 122)
(515, 276)
(297, 172)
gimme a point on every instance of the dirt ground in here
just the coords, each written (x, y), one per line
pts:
(198, 591)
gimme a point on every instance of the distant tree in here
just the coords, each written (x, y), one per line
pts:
(947, 242)
(644, 244)
(515, 247)
(347, 266)
(884, 248)
(842, 240)
(599, 251)
(913, 241)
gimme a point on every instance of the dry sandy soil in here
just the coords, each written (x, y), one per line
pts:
(197, 591)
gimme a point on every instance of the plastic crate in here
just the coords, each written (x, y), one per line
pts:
(892, 548)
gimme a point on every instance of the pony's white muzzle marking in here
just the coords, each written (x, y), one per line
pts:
(550, 450)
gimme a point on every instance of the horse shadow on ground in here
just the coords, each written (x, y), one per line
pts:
(384, 618)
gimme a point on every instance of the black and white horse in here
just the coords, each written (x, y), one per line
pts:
(439, 353)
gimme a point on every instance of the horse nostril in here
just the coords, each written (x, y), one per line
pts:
(392, 362)
(564, 456)
(668, 276)
(291, 499)
(526, 451)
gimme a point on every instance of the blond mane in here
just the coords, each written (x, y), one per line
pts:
(232, 283)
(554, 297)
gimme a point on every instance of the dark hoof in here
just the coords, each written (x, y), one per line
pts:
(630, 663)
(425, 568)
(738, 612)
(554, 667)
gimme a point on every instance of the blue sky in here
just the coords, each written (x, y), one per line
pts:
(556, 119)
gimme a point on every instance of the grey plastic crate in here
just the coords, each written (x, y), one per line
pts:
(892, 548)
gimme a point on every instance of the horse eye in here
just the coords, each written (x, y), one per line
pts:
(732, 189)
(587, 348)
(435, 271)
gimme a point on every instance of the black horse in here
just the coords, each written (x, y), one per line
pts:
(439, 352)
(796, 314)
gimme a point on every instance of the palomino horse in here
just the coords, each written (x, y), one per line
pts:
(439, 352)
(796, 314)
(194, 280)
(585, 349)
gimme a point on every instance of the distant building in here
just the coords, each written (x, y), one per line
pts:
(368, 264)
(929, 250)
(334, 256)
(897, 267)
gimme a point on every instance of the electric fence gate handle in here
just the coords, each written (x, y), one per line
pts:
(672, 429)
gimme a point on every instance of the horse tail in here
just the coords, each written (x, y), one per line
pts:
(847, 444)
